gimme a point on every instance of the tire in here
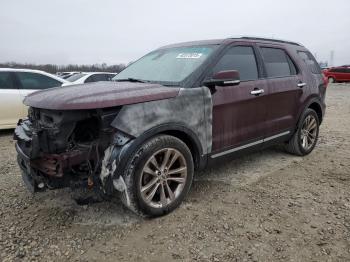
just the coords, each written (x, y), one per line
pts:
(331, 80)
(297, 145)
(141, 171)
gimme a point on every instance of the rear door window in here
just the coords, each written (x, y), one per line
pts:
(6, 81)
(338, 70)
(36, 81)
(277, 62)
(240, 58)
(310, 61)
(100, 77)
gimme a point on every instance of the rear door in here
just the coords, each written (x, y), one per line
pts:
(238, 115)
(343, 74)
(10, 101)
(285, 87)
(30, 82)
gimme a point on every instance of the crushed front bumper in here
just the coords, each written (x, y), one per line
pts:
(40, 169)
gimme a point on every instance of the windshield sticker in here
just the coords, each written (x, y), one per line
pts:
(189, 55)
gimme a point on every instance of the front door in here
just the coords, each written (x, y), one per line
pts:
(239, 111)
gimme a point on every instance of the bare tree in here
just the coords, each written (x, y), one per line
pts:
(51, 68)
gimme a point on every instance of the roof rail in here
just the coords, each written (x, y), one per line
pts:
(268, 39)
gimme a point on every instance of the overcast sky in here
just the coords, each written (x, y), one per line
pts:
(84, 32)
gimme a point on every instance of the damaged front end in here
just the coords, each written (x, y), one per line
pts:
(70, 148)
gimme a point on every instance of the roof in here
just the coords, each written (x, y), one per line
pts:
(268, 40)
(220, 41)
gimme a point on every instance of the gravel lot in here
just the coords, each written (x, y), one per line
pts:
(268, 206)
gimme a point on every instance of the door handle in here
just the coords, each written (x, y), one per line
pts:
(257, 92)
(301, 85)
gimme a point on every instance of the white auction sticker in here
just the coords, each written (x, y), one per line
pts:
(189, 55)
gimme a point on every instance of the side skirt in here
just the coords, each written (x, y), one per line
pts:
(254, 145)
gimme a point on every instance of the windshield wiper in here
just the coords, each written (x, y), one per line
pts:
(130, 79)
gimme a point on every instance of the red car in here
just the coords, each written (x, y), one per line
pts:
(338, 74)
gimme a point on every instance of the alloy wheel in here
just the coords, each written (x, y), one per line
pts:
(309, 132)
(163, 177)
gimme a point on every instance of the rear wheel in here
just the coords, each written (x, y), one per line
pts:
(158, 176)
(305, 138)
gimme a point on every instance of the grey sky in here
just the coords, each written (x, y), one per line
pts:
(78, 31)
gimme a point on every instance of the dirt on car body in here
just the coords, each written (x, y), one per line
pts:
(268, 206)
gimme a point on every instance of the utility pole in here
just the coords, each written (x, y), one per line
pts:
(331, 60)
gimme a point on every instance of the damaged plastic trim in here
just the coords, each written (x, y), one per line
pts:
(110, 163)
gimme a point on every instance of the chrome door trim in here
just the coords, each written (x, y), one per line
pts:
(276, 136)
(250, 144)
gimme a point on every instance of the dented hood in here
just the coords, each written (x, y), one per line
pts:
(99, 95)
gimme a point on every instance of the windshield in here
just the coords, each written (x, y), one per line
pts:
(167, 65)
(75, 77)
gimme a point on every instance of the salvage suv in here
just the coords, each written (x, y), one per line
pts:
(174, 111)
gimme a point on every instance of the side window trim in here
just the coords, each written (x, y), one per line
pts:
(260, 46)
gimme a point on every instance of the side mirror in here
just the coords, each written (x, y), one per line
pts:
(224, 78)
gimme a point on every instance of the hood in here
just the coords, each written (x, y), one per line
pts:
(99, 95)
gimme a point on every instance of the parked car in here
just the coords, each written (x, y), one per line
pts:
(15, 85)
(89, 77)
(338, 74)
(66, 75)
(178, 109)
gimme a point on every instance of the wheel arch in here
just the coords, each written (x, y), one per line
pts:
(315, 104)
(183, 133)
(318, 109)
(179, 131)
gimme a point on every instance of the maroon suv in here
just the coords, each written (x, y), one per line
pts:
(175, 110)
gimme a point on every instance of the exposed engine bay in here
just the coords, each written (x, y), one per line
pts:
(66, 148)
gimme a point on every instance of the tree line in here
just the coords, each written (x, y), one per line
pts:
(53, 69)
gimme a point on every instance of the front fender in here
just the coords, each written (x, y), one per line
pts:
(190, 111)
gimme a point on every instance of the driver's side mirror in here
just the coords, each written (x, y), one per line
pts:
(224, 78)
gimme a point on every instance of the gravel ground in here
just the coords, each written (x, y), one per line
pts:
(268, 206)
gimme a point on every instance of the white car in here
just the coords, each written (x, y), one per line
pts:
(65, 75)
(88, 77)
(15, 85)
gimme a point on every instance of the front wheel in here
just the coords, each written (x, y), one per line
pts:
(158, 176)
(331, 80)
(305, 138)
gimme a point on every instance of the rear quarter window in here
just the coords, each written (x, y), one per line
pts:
(310, 61)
